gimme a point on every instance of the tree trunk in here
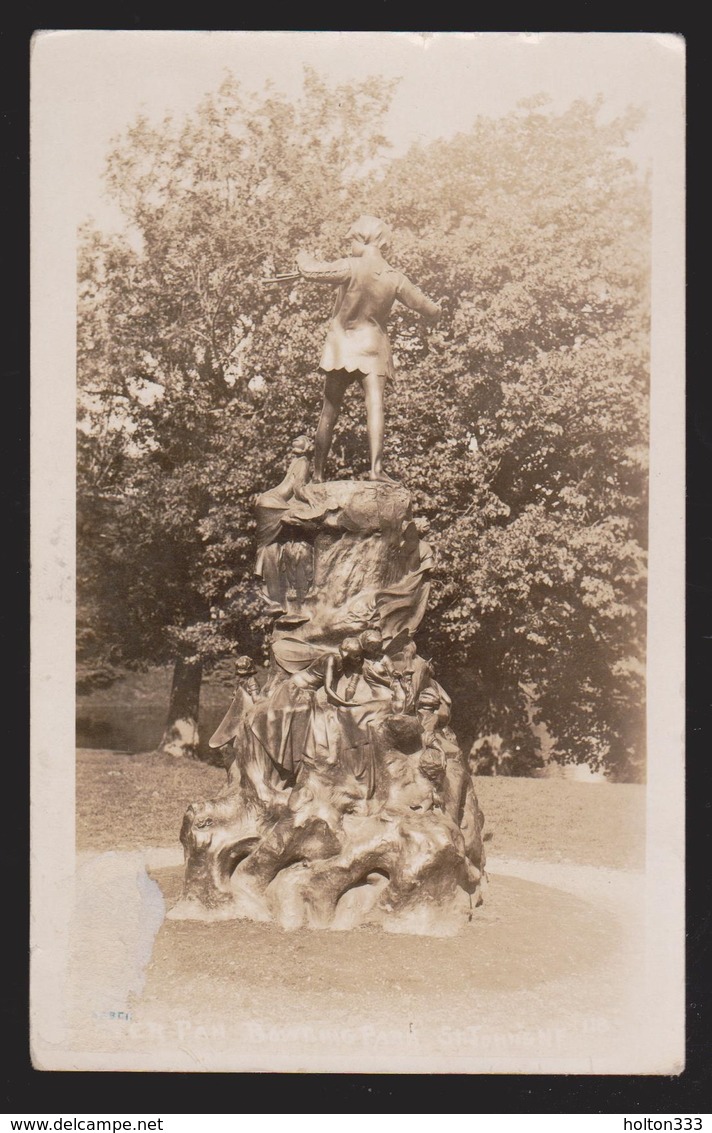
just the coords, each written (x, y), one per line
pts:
(180, 736)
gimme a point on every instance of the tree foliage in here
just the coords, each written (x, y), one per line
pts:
(535, 396)
(519, 424)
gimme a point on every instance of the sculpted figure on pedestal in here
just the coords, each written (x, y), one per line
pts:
(291, 724)
(357, 346)
(379, 670)
(284, 565)
(456, 791)
(232, 735)
(247, 691)
(348, 799)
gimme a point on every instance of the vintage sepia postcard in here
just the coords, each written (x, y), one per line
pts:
(357, 552)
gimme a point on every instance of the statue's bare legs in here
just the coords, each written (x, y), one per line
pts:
(373, 388)
(335, 386)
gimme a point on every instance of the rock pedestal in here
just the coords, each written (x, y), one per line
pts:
(347, 555)
(348, 800)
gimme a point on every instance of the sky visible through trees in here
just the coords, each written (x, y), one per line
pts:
(519, 424)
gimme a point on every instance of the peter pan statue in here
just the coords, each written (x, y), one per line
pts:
(357, 346)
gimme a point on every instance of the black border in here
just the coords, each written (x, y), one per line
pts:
(30, 1091)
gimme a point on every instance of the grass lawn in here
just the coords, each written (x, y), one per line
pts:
(559, 820)
(125, 802)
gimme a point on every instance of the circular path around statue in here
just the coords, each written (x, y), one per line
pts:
(545, 974)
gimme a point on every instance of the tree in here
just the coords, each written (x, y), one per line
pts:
(536, 229)
(175, 334)
(521, 427)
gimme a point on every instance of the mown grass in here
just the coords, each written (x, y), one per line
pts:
(559, 820)
(127, 802)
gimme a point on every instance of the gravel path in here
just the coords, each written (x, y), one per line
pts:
(617, 889)
(542, 978)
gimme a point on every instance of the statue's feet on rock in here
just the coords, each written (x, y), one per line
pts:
(273, 609)
(381, 477)
(289, 621)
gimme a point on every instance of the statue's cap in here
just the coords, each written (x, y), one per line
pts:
(300, 444)
(370, 230)
(244, 664)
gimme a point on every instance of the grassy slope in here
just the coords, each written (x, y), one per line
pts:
(129, 801)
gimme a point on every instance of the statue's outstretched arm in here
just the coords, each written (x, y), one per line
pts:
(417, 300)
(338, 271)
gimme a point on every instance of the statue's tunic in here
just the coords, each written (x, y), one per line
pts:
(368, 287)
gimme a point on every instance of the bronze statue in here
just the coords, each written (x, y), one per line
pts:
(284, 566)
(286, 724)
(349, 800)
(244, 762)
(357, 346)
(247, 691)
(379, 671)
